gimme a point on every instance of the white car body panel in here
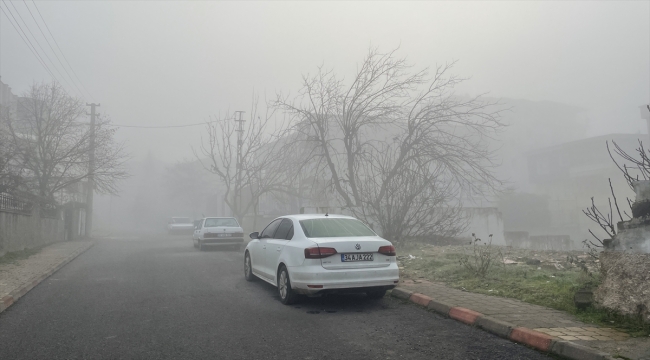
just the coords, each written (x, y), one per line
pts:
(267, 255)
(218, 235)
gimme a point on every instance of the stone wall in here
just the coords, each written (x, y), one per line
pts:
(626, 283)
(625, 262)
(20, 231)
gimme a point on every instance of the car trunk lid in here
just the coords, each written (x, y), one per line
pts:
(355, 252)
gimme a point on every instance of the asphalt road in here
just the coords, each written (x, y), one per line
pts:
(160, 298)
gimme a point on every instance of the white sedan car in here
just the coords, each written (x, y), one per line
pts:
(218, 231)
(318, 254)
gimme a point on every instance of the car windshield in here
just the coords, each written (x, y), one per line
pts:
(226, 222)
(181, 220)
(334, 227)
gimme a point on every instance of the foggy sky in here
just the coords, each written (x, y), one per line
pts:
(174, 63)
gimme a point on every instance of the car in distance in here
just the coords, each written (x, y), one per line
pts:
(179, 225)
(218, 231)
(320, 254)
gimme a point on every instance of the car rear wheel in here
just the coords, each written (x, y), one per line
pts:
(248, 268)
(377, 294)
(287, 296)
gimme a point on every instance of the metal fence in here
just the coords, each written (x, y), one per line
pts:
(13, 204)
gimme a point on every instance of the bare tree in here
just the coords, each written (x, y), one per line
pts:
(52, 144)
(260, 172)
(9, 174)
(396, 145)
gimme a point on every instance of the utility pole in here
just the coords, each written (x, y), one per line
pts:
(645, 114)
(240, 143)
(91, 172)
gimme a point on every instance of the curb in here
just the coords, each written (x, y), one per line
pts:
(529, 337)
(16, 294)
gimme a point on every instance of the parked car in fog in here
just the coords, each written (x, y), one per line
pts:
(179, 225)
(320, 254)
(218, 231)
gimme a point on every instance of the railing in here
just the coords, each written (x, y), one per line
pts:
(13, 204)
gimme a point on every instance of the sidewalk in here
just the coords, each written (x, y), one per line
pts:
(16, 279)
(557, 324)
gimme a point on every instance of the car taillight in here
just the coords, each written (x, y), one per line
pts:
(319, 252)
(388, 250)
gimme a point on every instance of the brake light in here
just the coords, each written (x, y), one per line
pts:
(388, 250)
(319, 252)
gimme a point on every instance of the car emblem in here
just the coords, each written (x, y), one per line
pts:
(357, 246)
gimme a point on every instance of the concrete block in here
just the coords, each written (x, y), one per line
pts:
(439, 307)
(576, 352)
(466, 316)
(532, 338)
(420, 299)
(495, 326)
(401, 293)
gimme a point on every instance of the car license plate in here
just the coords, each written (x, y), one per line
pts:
(223, 235)
(357, 257)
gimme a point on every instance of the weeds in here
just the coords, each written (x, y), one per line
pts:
(540, 285)
(12, 257)
(481, 258)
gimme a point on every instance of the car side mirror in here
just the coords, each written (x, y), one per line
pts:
(255, 235)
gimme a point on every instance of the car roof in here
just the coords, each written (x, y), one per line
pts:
(317, 216)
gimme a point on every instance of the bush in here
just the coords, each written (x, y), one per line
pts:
(480, 257)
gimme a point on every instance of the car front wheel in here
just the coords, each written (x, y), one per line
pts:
(248, 267)
(201, 247)
(287, 296)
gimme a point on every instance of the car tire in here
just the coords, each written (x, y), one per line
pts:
(200, 246)
(376, 295)
(287, 295)
(248, 268)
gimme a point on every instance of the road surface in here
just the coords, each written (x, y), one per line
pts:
(157, 297)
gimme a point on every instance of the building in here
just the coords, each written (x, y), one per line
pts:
(568, 175)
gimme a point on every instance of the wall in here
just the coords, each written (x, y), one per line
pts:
(483, 222)
(19, 231)
(522, 240)
(626, 283)
(625, 263)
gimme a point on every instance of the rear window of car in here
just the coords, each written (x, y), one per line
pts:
(334, 227)
(226, 222)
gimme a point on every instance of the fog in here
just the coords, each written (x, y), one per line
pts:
(565, 70)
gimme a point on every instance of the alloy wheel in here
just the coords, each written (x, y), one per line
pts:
(282, 286)
(247, 266)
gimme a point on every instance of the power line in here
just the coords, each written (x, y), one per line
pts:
(51, 48)
(37, 43)
(61, 51)
(160, 127)
(25, 39)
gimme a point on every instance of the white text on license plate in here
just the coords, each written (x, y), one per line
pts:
(357, 257)
(223, 235)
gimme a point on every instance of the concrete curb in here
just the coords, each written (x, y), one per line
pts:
(16, 294)
(532, 338)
